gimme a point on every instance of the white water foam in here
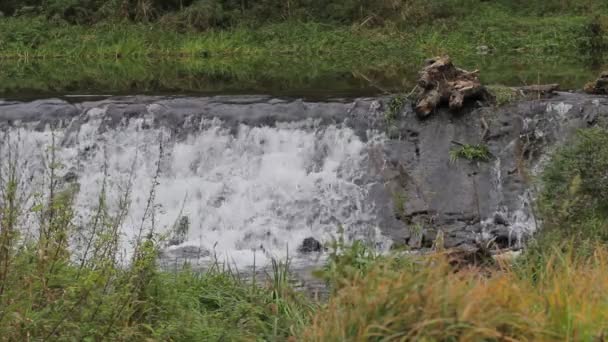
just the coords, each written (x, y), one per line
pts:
(521, 221)
(241, 189)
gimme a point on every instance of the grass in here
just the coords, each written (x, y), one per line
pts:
(555, 292)
(39, 55)
(181, 306)
(470, 152)
(504, 95)
(396, 300)
(394, 108)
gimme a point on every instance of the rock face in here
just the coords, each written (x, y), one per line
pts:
(490, 200)
(599, 86)
(442, 82)
(414, 188)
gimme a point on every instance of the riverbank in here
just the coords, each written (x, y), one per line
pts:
(37, 55)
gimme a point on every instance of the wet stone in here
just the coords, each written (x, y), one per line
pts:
(310, 245)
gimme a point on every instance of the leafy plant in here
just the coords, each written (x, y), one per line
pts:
(399, 202)
(346, 261)
(394, 107)
(477, 152)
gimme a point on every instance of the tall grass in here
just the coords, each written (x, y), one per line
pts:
(428, 301)
(50, 290)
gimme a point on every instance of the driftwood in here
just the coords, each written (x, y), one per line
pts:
(441, 82)
(538, 89)
(599, 86)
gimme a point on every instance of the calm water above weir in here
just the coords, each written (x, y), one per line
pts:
(313, 79)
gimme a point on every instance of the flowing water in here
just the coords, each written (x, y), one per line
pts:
(220, 190)
(242, 179)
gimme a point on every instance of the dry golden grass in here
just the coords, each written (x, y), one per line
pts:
(565, 299)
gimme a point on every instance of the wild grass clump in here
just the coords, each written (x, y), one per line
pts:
(470, 152)
(394, 108)
(347, 261)
(428, 301)
(381, 43)
(504, 95)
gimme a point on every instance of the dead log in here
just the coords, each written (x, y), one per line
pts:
(441, 82)
(599, 86)
(538, 89)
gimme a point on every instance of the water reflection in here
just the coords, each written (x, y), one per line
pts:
(310, 78)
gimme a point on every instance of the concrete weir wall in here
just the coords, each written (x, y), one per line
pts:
(238, 174)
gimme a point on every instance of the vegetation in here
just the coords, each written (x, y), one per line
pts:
(377, 43)
(50, 291)
(205, 14)
(476, 152)
(426, 300)
(394, 108)
(504, 95)
(554, 292)
(574, 200)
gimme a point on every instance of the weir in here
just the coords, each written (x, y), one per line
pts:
(227, 178)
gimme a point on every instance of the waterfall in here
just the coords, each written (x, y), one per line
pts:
(231, 188)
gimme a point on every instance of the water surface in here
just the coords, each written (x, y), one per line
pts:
(285, 77)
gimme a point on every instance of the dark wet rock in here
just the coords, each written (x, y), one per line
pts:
(70, 177)
(500, 219)
(503, 236)
(310, 245)
(456, 197)
(185, 252)
(180, 232)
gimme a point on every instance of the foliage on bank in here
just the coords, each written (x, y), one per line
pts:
(427, 300)
(205, 14)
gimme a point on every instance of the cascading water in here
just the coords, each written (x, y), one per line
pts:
(236, 188)
(244, 177)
